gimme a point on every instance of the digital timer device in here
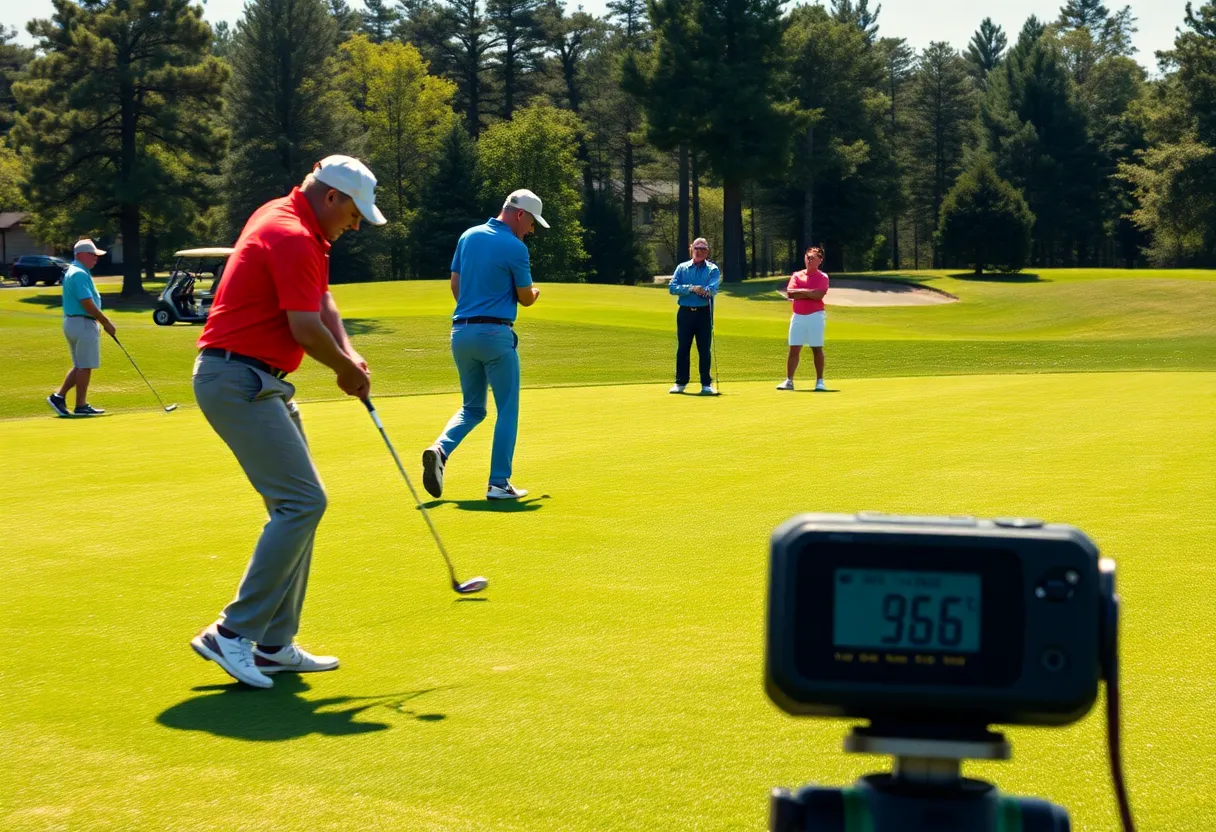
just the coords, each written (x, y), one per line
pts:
(934, 629)
(934, 619)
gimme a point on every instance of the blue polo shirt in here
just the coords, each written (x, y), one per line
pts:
(689, 274)
(492, 263)
(78, 285)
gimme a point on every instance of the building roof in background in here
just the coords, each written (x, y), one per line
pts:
(10, 219)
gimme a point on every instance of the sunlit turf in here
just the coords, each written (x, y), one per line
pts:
(612, 678)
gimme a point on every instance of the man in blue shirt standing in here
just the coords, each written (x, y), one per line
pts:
(491, 278)
(83, 321)
(695, 281)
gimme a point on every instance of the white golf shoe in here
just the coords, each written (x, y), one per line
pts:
(432, 471)
(708, 390)
(788, 384)
(820, 386)
(292, 659)
(235, 655)
(676, 388)
(505, 492)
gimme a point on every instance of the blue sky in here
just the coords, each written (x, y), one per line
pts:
(916, 20)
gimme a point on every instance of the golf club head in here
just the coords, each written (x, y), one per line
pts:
(471, 586)
(171, 408)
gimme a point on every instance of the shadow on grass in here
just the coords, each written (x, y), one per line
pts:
(498, 506)
(144, 302)
(1001, 277)
(364, 326)
(280, 713)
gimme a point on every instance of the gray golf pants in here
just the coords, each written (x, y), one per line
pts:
(253, 413)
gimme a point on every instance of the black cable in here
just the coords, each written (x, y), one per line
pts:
(1115, 743)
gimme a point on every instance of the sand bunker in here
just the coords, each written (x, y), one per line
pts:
(860, 292)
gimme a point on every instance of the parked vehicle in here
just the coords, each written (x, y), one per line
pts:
(183, 298)
(29, 269)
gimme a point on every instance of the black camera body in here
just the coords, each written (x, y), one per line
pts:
(933, 628)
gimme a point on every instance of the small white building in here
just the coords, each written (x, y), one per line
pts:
(15, 240)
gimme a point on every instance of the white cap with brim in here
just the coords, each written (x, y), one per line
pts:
(350, 176)
(87, 246)
(525, 200)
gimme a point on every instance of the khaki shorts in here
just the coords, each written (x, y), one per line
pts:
(84, 341)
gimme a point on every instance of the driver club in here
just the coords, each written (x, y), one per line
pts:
(168, 408)
(468, 587)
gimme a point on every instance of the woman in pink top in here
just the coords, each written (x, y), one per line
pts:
(806, 289)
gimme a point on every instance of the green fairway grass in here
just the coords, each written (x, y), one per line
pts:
(1065, 321)
(612, 678)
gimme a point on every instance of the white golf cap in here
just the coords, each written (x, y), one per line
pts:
(527, 201)
(350, 176)
(86, 246)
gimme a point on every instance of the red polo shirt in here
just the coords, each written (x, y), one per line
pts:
(280, 265)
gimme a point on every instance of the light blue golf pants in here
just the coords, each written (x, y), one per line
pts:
(485, 354)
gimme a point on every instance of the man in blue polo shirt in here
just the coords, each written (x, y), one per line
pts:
(83, 321)
(491, 278)
(695, 282)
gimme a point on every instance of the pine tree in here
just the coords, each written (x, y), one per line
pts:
(712, 87)
(1036, 131)
(843, 170)
(377, 20)
(858, 15)
(942, 106)
(468, 49)
(14, 59)
(899, 59)
(283, 111)
(451, 202)
(985, 222)
(118, 112)
(986, 50)
(519, 27)
(345, 18)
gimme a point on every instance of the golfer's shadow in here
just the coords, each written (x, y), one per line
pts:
(813, 390)
(280, 713)
(500, 506)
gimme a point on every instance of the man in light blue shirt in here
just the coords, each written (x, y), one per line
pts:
(82, 324)
(695, 282)
(491, 278)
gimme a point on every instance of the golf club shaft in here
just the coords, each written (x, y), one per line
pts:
(425, 514)
(141, 372)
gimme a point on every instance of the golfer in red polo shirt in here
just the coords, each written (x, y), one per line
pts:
(272, 307)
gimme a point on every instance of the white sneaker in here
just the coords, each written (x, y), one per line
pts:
(708, 390)
(676, 388)
(235, 655)
(505, 492)
(432, 471)
(788, 384)
(292, 659)
(820, 386)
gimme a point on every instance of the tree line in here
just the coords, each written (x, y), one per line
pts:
(771, 129)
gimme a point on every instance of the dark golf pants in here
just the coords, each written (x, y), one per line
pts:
(253, 413)
(693, 322)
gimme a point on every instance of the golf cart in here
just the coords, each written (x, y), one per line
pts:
(184, 298)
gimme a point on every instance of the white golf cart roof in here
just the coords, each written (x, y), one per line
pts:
(204, 252)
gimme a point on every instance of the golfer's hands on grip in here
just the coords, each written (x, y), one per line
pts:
(353, 379)
(700, 290)
(108, 327)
